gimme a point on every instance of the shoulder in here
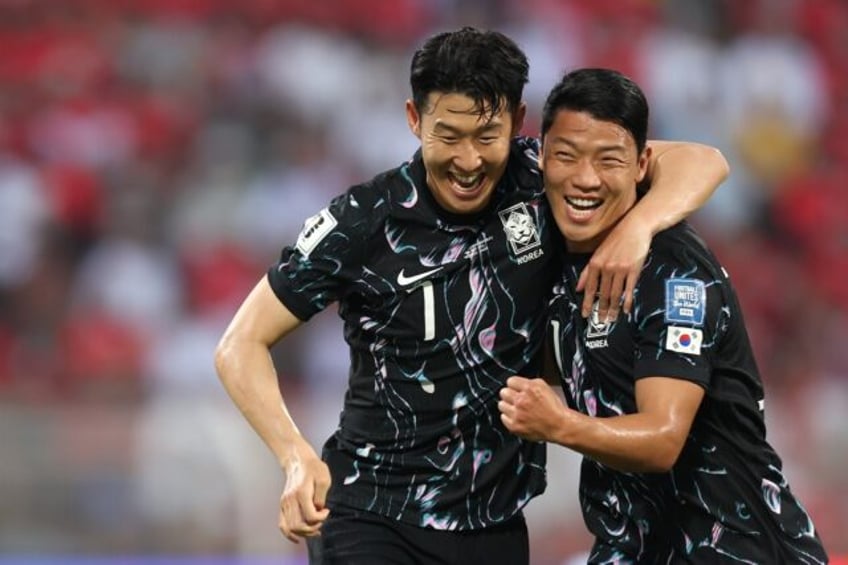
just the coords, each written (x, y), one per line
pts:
(376, 194)
(522, 172)
(352, 217)
(373, 200)
(524, 150)
(679, 264)
(680, 246)
(526, 145)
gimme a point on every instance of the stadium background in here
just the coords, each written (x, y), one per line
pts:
(155, 155)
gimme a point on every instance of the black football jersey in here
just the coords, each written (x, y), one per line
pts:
(439, 310)
(726, 498)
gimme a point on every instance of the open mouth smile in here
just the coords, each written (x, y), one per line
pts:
(466, 183)
(583, 204)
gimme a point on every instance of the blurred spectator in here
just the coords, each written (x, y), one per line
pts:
(24, 215)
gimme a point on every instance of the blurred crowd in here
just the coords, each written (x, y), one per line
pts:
(155, 155)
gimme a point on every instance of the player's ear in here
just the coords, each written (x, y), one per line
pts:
(518, 118)
(541, 158)
(413, 119)
(644, 159)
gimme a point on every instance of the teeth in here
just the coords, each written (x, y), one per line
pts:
(466, 180)
(583, 203)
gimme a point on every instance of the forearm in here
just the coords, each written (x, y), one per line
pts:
(630, 443)
(682, 178)
(249, 377)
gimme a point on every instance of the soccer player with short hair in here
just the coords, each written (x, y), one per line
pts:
(441, 268)
(665, 403)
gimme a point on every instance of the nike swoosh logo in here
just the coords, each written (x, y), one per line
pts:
(403, 280)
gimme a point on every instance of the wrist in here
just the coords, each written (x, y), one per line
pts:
(640, 224)
(290, 453)
(568, 428)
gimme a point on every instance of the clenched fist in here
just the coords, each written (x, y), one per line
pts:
(531, 409)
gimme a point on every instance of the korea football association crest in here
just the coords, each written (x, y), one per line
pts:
(597, 329)
(521, 232)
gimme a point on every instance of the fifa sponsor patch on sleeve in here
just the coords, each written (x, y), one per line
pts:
(314, 230)
(684, 340)
(685, 301)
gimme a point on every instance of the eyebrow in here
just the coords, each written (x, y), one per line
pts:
(490, 126)
(602, 149)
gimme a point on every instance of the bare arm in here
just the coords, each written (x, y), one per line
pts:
(682, 178)
(244, 365)
(648, 441)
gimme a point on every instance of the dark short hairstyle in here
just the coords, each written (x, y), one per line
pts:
(486, 66)
(606, 95)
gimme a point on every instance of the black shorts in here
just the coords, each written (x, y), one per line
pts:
(354, 537)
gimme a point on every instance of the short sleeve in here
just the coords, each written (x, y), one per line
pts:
(326, 258)
(676, 321)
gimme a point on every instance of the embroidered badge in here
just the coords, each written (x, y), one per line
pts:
(597, 329)
(520, 228)
(685, 301)
(314, 230)
(684, 340)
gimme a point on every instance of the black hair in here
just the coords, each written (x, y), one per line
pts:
(606, 95)
(486, 66)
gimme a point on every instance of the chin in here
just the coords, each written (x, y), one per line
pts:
(468, 207)
(577, 242)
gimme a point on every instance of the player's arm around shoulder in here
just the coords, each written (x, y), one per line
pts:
(244, 365)
(680, 177)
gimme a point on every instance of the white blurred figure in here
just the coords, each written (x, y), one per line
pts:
(369, 127)
(213, 184)
(98, 134)
(288, 58)
(549, 32)
(353, 82)
(300, 177)
(134, 281)
(24, 213)
(187, 478)
(680, 62)
(773, 92)
(769, 67)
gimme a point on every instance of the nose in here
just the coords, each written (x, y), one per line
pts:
(586, 175)
(467, 157)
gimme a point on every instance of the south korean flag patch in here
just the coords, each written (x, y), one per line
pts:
(684, 340)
